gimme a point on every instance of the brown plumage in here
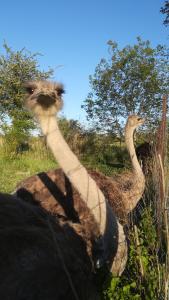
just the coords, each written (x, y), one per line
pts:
(54, 192)
(145, 154)
(36, 255)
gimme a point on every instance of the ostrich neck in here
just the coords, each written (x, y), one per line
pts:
(131, 149)
(134, 194)
(74, 170)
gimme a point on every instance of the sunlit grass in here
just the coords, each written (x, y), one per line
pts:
(14, 169)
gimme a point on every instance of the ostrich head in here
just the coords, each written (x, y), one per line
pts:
(43, 97)
(134, 121)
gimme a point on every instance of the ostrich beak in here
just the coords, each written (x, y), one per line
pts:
(45, 100)
(141, 121)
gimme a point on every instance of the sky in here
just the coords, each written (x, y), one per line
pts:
(72, 36)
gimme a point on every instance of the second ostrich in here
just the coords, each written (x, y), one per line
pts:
(131, 185)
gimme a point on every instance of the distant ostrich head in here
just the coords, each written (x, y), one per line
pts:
(43, 96)
(134, 121)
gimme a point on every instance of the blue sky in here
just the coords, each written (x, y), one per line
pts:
(72, 36)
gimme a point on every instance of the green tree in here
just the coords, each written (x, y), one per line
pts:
(69, 128)
(131, 80)
(73, 133)
(16, 68)
(165, 10)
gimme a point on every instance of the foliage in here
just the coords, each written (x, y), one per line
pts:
(73, 133)
(93, 148)
(69, 128)
(103, 149)
(132, 80)
(165, 10)
(16, 68)
(134, 283)
(16, 137)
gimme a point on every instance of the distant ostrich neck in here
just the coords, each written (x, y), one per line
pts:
(74, 170)
(129, 132)
(134, 194)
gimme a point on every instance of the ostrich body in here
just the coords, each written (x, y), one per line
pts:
(102, 227)
(41, 256)
(145, 153)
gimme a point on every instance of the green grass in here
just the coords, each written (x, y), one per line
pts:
(13, 170)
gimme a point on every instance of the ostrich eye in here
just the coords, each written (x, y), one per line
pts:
(139, 119)
(30, 90)
(60, 91)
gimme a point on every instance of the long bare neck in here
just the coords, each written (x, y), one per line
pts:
(134, 194)
(129, 132)
(74, 170)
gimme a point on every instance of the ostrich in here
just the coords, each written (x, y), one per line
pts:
(44, 255)
(73, 195)
(123, 192)
(132, 184)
